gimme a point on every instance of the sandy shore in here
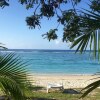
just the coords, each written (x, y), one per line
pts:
(68, 81)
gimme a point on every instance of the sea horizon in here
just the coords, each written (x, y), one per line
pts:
(41, 50)
(54, 61)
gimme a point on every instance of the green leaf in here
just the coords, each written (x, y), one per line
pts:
(13, 76)
(90, 88)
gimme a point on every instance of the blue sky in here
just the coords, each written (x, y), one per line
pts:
(15, 34)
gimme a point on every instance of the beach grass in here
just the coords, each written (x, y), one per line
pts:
(39, 93)
(39, 90)
(59, 95)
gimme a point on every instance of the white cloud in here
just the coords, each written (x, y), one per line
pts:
(58, 41)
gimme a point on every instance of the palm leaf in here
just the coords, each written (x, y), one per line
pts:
(89, 26)
(2, 47)
(82, 41)
(13, 76)
(98, 44)
(94, 44)
(92, 14)
(91, 87)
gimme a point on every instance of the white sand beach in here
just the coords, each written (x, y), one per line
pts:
(68, 81)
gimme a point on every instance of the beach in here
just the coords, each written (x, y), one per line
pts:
(68, 81)
(59, 67)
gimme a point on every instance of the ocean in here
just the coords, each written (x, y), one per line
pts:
(58, 61)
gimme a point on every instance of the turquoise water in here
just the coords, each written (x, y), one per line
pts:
(58, 62)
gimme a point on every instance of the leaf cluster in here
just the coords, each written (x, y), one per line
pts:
(33, 21)
(13, 76)
(51, 35)
(81, 27)
(29, 3)
(4, 3)
(95, 5)
(47, 10)
(71, 21)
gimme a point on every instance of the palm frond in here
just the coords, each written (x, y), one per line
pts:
(89, 26)
(91, 87)
(98, 44)
(82, 42)
(2, 47)
(13, 76)
(91, 14)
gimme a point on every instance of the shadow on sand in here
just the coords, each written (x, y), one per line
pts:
(71, 91)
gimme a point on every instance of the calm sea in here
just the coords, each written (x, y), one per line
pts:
(58, 61)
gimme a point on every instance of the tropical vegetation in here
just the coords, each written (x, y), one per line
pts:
(80, 26)
(13, 77)
(58, 95)
(39, 93)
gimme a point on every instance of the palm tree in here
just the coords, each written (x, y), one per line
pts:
(79, 29)
(90, 26)
(13, 76)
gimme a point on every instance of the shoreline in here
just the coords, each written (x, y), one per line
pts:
(68, 81)
(63, 74)
(60, 74)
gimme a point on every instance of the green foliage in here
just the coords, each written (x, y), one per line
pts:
(13, 76)
(28, 3)
(51, 35)
(2, 47)
(82, 41)
(4, 3)
(33, 21)
(70, 20)
(81, 27)
(90, 88)
(47, 10)
(58, 95)
(89, 25)
(95, 5)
